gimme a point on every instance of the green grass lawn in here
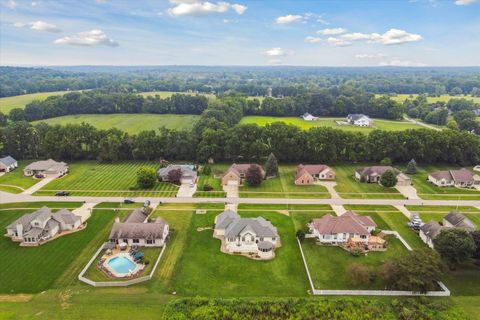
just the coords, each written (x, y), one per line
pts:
(330, 122)
(130, 123)
(15, 181)
(427, 190)
(348, 187)
(206, 271)
(215, 183)
(9, 103)
(34, 269)
(90, 178)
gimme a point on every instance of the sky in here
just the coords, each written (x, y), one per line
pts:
(409, 33)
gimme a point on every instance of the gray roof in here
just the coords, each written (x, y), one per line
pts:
(431, 229)
(65, 216)
(265, 245)
(41, 214)
(45, 214)
(225, 218)
(259, 226)
(458, 220)
(133, 230)
(379, 170)
(47, 165)
(8, 161)
(187, 171)
(136, 216)
(356, 116)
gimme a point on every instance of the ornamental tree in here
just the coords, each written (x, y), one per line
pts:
(388, 179)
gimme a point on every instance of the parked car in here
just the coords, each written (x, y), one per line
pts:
(192, 185)
(127, 201)
(62, 194)
(415, 222)
(39, 176)
(476, 168)
(146, 203)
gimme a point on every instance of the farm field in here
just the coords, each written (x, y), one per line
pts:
(348, 187)
(330, 122)
(15, 181)
(443, 98)
(9, 103)
(90, 178)
(130, 123)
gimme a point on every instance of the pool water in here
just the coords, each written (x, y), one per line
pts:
(122, 264)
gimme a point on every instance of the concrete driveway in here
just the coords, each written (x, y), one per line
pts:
(330, 185)
(408, 192)
(231, 190)
(40, 184)
(186, 191)
(85, 211)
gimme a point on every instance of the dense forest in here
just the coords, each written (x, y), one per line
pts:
(252, 81)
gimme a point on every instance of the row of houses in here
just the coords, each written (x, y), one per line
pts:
(429, 231)
(356, 119)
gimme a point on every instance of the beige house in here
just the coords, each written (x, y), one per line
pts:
(462, 178)
(46, 167)
(308, 174)
(236, 174)
(373, 174)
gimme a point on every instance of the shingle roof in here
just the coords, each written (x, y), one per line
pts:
(357, 116)
(379, 170)
(186, 170)
(225, 218)
(44, 214)
(136, 216)
(148, 231)
(46, 165)
(259, 226)
(431, 229)
(462, 175)
(65, 216)
(349, 222)
(310, 169)
(7, 161)
(459, 221)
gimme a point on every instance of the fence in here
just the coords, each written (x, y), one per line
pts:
(124, 283)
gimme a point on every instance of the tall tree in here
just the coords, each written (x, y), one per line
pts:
(254, 175)
(412, 166)
(146, 177)
(455, 245)
(388, 179)
(271, 166)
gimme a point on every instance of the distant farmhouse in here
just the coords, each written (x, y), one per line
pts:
(137, 230)
(373, 174)
(430, 230)
(255, 237)
(309, 173)
(308, 117)
(360, 120)
(189, 173)
(349, 229)
(42, 225)
(462, 178)
(8, 164)
(236, 174)
(45, 168)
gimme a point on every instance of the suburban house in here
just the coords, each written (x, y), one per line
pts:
(138, 230)
(189, 173)
(360, 120)
(42, 225)
(8, 164)
(308, 117)
(462, 178)
(373, 174)
(454, 219)
(236, 174)
(249, 236)
(309, 173)
(46, 167)
(345, 230)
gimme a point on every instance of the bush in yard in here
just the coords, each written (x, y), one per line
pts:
(356, 252)
(300, 235)
(388, 179)
(146, 177)
(254, 175)
(419, 271)
(454, 245)
(363, 178)
(207, 187)
(359, 274)
(175, 175)
(271, 166)
(386, 162)
(206, 170)
(412, 167)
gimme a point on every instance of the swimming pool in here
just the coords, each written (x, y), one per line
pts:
(122, 265)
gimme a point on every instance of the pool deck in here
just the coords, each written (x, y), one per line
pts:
(105, 266)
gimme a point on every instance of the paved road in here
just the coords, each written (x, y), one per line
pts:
(8, 198)
(421, 123)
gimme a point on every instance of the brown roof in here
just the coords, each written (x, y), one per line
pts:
(136, 216)
(149, 231)
(462, 175)
(349, 222)
(367, 171)
(310, 169)
(241, 168)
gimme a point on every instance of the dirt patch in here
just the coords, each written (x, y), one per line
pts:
(15, 297)
(284, 212)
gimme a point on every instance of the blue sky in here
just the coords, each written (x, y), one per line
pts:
(238, 32)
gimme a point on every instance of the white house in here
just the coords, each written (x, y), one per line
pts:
(462, 178)
(246, 235)
(8, 164)
(308, 117)
(46, 167)
(429, 231)
(41, 225)
(360, 120)
(454, 219)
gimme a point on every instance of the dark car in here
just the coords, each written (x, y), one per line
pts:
(62, 193)
(128, 201)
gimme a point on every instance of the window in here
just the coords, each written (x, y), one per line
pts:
(273, 239)
(261, 238)
(149, 241)
(136, 241)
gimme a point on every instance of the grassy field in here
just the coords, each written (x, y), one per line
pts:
(330, 122)
(130, 123)
(15, 181)
(443, 98)
(9, 103)
(168, 94)
(96, 179)
(348, 187)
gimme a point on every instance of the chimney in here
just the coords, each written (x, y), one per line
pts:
(20, 230)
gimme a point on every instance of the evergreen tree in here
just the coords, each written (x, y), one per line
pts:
(271, 166)
(412, 167)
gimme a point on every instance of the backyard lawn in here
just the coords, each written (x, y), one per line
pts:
(348, 187)
(15, 181)
(90, 178)
(205, 271)
(210, 180)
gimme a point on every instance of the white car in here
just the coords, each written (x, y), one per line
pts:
(476, 168)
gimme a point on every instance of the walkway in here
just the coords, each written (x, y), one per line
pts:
(330, 185)
(85, 211)
(40, 184)
(421, 123)
(338, 209)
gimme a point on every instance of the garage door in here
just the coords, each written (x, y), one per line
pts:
(233, 183)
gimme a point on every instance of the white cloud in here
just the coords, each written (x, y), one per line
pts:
(11, 4)
(90, 38)
(230, 21)
(338, 42)
(464, 2)
(311, 39)
(289, 19)
(401, 63)
(370, 55)
(332, 31)
(199, 8)
(392, 36)
(38, 26)
(275, 52)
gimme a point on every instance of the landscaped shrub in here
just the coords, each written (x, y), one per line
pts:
(356, 252)
(146, 177)
(300, 235)
(207, 187)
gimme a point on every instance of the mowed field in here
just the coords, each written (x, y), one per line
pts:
(9, 103)
(443, 98)
(331, 123)
(130, 123)
(90, 178)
